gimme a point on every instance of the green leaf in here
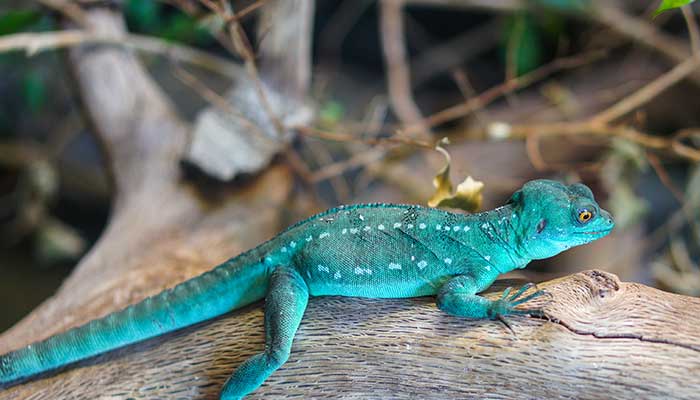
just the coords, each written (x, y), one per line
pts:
(185, 29)
(17, 20)
(145, 15)
(331, 113)
(671, 4)
(565, 5)
(34, 90)
(523, 45)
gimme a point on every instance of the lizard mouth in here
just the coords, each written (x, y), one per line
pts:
(605, 232)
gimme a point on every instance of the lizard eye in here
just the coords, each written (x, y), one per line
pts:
(584, 215)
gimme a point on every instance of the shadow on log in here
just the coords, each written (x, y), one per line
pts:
(602, 339)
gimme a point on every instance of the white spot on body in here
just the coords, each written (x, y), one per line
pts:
(380, 227)
(293, 244)
(344, 231)
(362, 271)
(362, 217)
(421, 226)
(323, 268)
(394, 266)
(284, 249)
(487, 258)
(309, 238)
(337, 275)
(409, 226)
(354, 230)
(438, 227)
(447, 228)
(397, 225)
(324, 234)
(413, 258)
(456, 228)
(422, 264)
(488, 267)
(466, 228)
(448, 261)
(485, 225)
(367, 228)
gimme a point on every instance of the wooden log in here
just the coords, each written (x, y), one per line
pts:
(601, 339)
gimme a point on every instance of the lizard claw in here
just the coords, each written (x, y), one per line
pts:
(505, 322)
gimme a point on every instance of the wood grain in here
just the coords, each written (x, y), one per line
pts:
(603, 339)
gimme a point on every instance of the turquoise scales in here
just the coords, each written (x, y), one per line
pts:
(372, 250)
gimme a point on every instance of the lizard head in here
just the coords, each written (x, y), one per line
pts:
(555, 217)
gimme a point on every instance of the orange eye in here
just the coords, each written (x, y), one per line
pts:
(584, 215)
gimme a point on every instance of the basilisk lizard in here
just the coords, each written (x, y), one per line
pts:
(369, 250)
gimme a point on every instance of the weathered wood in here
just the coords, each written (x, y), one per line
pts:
(606, 339)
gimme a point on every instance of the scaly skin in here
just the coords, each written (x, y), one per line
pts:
(372, 250)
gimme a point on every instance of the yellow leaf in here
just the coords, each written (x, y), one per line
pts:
(468, 196)
(443, 186)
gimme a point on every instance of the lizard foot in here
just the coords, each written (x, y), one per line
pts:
(508, 302)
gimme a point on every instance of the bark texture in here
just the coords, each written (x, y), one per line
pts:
(603, 339)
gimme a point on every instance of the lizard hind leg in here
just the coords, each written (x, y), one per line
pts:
(285, 304)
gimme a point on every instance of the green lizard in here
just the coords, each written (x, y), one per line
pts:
(371, 250)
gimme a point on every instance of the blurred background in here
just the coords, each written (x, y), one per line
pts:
(600, 92)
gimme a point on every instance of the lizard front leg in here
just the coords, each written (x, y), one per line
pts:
(458, 297)
(285, 303)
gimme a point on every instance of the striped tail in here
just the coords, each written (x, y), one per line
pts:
(229, 286)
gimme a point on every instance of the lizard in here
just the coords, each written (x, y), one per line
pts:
(374, 250)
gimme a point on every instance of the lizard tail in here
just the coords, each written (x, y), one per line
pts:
(229, 286)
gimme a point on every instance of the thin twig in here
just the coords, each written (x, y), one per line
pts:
(398, 73)
(340, 167)
(490, 95)
(68, 8)
(244, 49)
(218, 101)
(346, 137)
(33, 43)
(642, 32)
(663, 176)
(239, 16)
(454, 52)
(338, 182)
(648, 92)
(693, 30)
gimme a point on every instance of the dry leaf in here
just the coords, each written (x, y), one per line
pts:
(468, 196)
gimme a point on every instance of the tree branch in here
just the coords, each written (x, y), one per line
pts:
(600, 336)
